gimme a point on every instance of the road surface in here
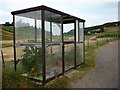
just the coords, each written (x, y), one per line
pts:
(105, 74)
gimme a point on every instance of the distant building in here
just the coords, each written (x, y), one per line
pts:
(89, 32)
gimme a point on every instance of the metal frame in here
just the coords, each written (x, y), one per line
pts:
(66, 18)
(75, 44)
(14, 43)
(43, 46)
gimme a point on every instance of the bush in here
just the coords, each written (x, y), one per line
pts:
(32, 59)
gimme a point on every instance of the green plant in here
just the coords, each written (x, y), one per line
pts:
(32, 58)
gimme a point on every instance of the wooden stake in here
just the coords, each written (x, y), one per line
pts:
(2, 59)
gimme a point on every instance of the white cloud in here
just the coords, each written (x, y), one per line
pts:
(83, 9)
(4, 16)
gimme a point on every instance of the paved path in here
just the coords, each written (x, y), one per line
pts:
(105, 74)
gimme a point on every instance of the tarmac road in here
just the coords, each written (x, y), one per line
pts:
(105, 74)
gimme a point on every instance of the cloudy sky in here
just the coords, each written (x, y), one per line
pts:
(93, 11)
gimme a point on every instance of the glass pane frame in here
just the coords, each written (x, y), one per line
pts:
(53, 44)
(28, 27)
(69, 35)
(31, 49)
(80, 42)
(81, 31)
(69, 56)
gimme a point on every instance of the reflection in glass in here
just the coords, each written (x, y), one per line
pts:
(81, 31)
(28, 27)
(69, 56)
(53, 38)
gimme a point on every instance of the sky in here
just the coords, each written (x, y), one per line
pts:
(95, 12)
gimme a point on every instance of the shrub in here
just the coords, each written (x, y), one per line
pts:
(32, 59)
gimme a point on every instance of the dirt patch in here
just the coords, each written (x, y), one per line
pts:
(8, 53)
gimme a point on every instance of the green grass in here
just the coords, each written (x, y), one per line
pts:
(62, 82)
(9, 29)
(14, 79)
(7, 35)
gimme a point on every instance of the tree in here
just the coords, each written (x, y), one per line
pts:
(7, 24)
(102, 29)
(12, 24)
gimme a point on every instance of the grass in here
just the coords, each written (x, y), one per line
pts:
(62, 82)
(7, 28)
(12, 79)
(7, 35)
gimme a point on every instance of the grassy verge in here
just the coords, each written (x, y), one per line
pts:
(12, 79)
(90, 54)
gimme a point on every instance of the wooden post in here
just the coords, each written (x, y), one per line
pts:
(3, 59)
(110, 36)
(107, 37)
(102, 39)
(88, 42)
(97, 40)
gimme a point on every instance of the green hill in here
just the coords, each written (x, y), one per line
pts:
(98, 28)
(6, 32)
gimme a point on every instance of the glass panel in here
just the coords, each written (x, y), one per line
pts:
(56, 32)
(47, 32)
(69, 56)
(77, 31)
(28, 27)
(28, 30)
(30, 64)
(79, 53)
(68, 30)
(53, 61)
(53, 51)
(81, 31)
(52, 27)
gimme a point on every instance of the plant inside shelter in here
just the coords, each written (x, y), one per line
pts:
(32, 60)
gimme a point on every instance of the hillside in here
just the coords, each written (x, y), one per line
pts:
(6, 35)
(7, 31)
(111, 26)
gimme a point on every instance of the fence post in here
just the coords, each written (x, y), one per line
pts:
(88, 42)
(107, 37)
(97, 40)
(3, 59)
(110, 36)
(102, 39)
